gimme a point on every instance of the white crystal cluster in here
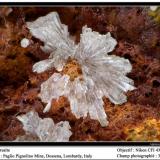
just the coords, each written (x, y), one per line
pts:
(45, 130)
(103, 74)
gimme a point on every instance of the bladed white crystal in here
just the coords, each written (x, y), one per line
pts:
(56, 83)
(38, 129)
(43, 65)
(103, 74)
(55, 36)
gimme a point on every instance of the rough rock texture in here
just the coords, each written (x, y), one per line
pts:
(138, 36)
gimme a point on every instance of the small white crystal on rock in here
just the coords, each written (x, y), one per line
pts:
(25, 42)
(103, 74)
(38, 129)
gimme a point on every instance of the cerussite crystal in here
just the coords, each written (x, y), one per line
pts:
(102, 74)
(38, 129)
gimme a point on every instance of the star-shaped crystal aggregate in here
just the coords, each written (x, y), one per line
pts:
(101, 74)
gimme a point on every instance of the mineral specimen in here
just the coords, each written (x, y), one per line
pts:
(102, 74)
(38, 129)
(24, 42)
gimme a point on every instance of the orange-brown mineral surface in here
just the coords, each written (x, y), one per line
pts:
(138, 37)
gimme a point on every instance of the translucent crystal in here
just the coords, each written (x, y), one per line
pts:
(103, 74)
(55, 36)
(56, 83)
(38, 129)
(43, 65)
